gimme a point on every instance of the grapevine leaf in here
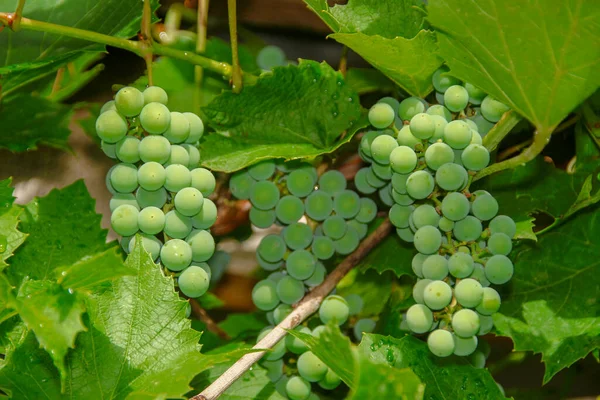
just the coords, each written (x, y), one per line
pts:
(367, 80)
(392, 254)
(10, 236)
(29, 121)
(374, 289)
(454, 377)
(334, 349)
(525, 230)
(242, 326)
(556, 285)
(54, 315)
(7, 299)
(321, 8)
(391, 321)
(544, 77)
(379, 381)
(63, 228)
(209, 301)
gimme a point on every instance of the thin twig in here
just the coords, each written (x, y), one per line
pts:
(202, 28)
(307, 306)
(203, 316)
(60, 74)
(16, 19)
(235, 59)
(343, 66)
(146, 36)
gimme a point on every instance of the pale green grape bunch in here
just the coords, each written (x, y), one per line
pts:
(159, 189)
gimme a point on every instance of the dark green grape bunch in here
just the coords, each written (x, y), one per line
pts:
(292, 367)
(158, 189)
(320, 218)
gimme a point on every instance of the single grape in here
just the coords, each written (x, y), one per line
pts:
(465, 323)
(322, 247)
(151, 220)
(155, 148)
(332, 182)
(207, 215)
(468, 229)
(301, 264)
(435, 267)
(406, 234)
(439, 97)
(455, 206)
(441, 343)
(418, 291)
(294, 344)
(127, 149)
(272, 248)
(297, 236)
(202, 244)
(499, 243)
(367, 140)
(422, 126)
(124, 220)
(420, 185)
(196, 127)
(490, 302)
(464, 346)
(406, 138)
(399, 182)
(392, 102)
(155, 94)
(457, 134)
(373, 180)
(147, 198)
(410, 107)
(319, 205)
(177, 225)
(274, 369)
(151, 176)
(178, 177)
(268, 266)
(334, 308)
(335, 227)
(417, 264)
(438, 154)
(381, 115)
(440, 125)
(382, 171)
(155, 118)
(189, 201)
(193, 281)
(176, 255)
(179, 155)
(456, 98)
(403, 159)
(479, 275)
(347, 243)
(260, 218)
(331, 380)
(194, 155)
(179, 128)
(451, 176)
(289, 209)
(362, 326)
(476, 137)
(483, 125)
(361, 183)
(367, 211)
(441, 111)
(476, 95)
(241, 185)
(122, 198)
(282, 310)
(205, 267)
(355, 303)
(290, 290)
(297, 388)
(264, 295)
(468, 293)
(123, 178)
(262, 170)
(499, 269)
(425, 215)
(460, 264)
(300, 183)
(475, 157)
(437, 295)
(503, 224)
(311, 368)
(109, 105)
(492, 109)
(399, 215)
(269, 57)
(111, 126)
(419, 318)
(129, 101)
(484, 207)
(427, 240)
(150, 243)
(317, 277)
(486, 323)
(445, 224)
(385, 195)
(382, 147)
(110, 149)
(346, 204)
(203, 180)
(442, 80)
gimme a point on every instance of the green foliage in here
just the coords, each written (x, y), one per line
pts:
(392, 254)
(367, 80)
(374, 289)
(380, 381)
(10, 236)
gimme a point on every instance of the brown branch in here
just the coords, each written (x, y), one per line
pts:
(305, 308)
(201, 314)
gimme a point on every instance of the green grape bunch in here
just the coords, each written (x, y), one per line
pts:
(159, 191)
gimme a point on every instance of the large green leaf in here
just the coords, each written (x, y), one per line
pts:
(552, 303)
(10, 236)
(294, 112)
(373, 288)
(392, 254)
(541, 59)
(380, 381)
(367, 80)
(444, 378)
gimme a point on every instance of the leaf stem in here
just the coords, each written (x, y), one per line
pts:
(305, 308)
(146, 39)
(501, 129)
(343, 66)
(235, 59)
(202, 28)
(17, 16)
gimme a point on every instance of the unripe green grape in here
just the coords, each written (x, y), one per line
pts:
(464, 346)
(468, 229)
(390, 101)
(155, 94)
(322, 247)
(499, 269)
(360, 228)
(301, 264)
(476, 137)
(202, 244)
(203, 180)
(150, 243)
(439, 97)
(468, 293)
(151, 220)
(385, 195)
(123, 178)
(457, 134)
(262, 170)
(455, 206)
(297, 236)
(300, 183)
(290, 290)
(456, 98)
(281, 311)
(475, 157)
(335, 227)
(420, 184)
(297, 388)
(264, 296)
(332, 182)
(179, 128)
(193, 281)
(347, 243)
(427, 240)
(179, 155)
(317, 277)
(445, 224)
(110, 149)
(425, 215)
(124, 220)
(334, 308)
(289, 209)
(399, 182)
(438, 154)
(176, 255)
(441, 343)
(419, 318)
(189, 201)
(490, 302)
(272, 248)
(403, 159)
(269, 57)
(417, 264)
(437, 295)
(207, 215)
(441, 111)
(194, 155)
(129, 101)
(122, 198)
(294, 344)
(451, 176)
(178, 177)
(479, 275)
(361, 183)
(382, 171)
(346, 204)
(241, 185)
(483, 125)
(410, 107)
(418, 291)
(364, 325)
(442, 80)
(274, 369)
(260, 218)
(268, 266)
(422, 126)
(499, 243)
(319, 205)
(196, 127)
(177, 225)
(205, 267)
(381, 115)
(435, 267)
(382, 147)
(147, 198)
(109, 105)
(503, 224)
(465, 323)
(373, 180)
(492, 109)
(127, 149)
(311, 368)
(367, 140)
(406, 234)
(155, 148)
(151, 176)
(486, 323)
(155, 118)
(402, 199)
(484, 207)
(440, 126)
(367, 210)
(460, 265)
(355, 303)
(406, 138)
(476, 95)
(331, 380)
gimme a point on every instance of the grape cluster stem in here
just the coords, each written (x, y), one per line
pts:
(305, 308)
(200, 313)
